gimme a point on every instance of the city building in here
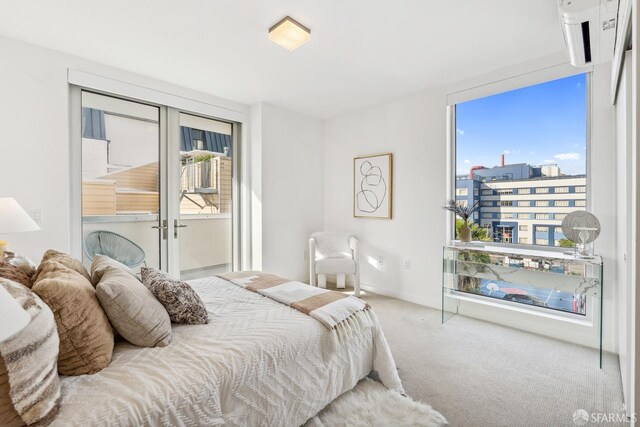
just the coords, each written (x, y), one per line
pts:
(521, 203)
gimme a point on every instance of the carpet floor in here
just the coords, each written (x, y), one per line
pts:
(481, 374)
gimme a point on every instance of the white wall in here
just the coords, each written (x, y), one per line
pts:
(414, 130)
(291, 196)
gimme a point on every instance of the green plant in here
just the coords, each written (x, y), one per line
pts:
(462, 210)
(566, 243)
(477, 232)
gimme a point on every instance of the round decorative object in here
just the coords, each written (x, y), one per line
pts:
(581, 227)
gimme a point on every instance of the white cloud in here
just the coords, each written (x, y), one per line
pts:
(567, 156)
(467, 161)
(506, 152)
(549, 161)
(460, 131)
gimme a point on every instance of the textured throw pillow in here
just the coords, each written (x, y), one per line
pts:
(133, 310)
(179, 299)
(11, 272)
(22, 262)
(86, 337)
(64, 259)
(29, 384)
(101, 263)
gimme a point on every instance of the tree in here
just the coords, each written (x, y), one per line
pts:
(566, 243)
(477, 232)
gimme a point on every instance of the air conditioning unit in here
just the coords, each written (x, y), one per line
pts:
(589, 29)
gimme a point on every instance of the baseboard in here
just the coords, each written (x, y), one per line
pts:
(405, 296)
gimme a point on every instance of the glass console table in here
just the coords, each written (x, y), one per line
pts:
(551, 284)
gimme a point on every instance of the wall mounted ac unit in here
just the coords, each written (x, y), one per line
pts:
(589, 29)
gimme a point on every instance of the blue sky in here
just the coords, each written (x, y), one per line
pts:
(545, 123)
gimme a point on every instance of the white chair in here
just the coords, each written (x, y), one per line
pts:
(333, 253)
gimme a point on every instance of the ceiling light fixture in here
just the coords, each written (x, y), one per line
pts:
(289, 33)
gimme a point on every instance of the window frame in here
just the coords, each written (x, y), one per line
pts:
(505, 85)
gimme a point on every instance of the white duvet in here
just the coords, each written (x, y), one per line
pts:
(256, 363)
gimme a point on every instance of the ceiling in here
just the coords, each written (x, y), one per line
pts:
(361, 52)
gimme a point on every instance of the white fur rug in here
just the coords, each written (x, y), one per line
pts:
(371, 404)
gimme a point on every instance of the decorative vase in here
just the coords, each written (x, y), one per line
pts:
(465, 233)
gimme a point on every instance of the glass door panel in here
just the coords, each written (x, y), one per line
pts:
(204, 227)
(121, 195)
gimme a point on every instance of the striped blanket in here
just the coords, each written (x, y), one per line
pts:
(327, 307)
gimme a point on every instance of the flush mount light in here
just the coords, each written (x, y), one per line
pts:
(289, 33)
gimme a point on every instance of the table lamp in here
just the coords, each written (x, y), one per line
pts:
(13, 318)
(14, 219)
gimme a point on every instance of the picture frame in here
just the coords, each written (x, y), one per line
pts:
(373, 186)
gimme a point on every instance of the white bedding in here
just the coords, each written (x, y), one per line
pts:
(257, 363)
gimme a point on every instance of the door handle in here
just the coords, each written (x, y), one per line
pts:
(175, 228)
(164, 227)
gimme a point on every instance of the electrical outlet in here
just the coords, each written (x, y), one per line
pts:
(37, 216)
(407, 264)
(380, 260)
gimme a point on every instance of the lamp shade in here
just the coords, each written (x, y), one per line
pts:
(14, 219)
(13, 318)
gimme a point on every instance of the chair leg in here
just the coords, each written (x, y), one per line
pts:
(356, 285)
(340, 280)
(322, 280)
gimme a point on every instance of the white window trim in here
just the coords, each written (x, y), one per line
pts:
(513, 82)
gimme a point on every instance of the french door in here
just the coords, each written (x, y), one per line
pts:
(157, 186)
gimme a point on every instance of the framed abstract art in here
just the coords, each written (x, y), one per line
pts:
(372, 186)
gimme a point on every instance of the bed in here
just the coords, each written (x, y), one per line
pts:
(257, 362)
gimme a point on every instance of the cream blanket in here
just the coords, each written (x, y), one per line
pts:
(328, 307)
(256, 363)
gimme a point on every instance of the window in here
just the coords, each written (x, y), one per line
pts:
(462, 191)
(487, 215)
(487, 204)
(521, 127)
(542, 229)
(475, 191)
(523, 228)
(561, 203)
(523, 240)
(464, 203)
(559, 216)
(581, 203)
(581, 189)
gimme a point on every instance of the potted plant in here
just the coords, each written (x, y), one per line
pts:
(464, 212)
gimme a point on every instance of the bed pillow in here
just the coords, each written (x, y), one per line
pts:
(179, 299)
(14, 273)
(132, 309)
(86, 337)
(29, 383)
(101, 263)
(64, 259)
(22, 262)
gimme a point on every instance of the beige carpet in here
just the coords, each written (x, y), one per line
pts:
(481, 374)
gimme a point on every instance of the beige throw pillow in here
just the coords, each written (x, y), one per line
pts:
(132, 309)
(64, 259)
(86, 337)
(101, 263)
(29, 384)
